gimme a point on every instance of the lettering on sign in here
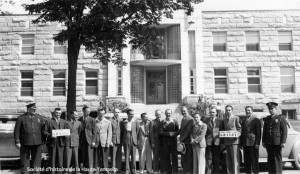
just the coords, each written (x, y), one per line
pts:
(60, 132)
(6, 126)
(229, 134)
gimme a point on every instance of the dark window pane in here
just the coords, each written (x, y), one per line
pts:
(60, 50)
(91, 90)
(59, 74)
(221, 90)
(285, 47)
(91, 74)
(59, 83)
(252, 47)
(27, 75)
(27, 84)
(59, 91)
(287, 88)
(119, 73)
(26, 91)
(220, 47)
(254, 88)
(253, 71)
(253, 80)
(28, 41)
(221, 81)
(28, 50)
(91, 82)
(220, 72)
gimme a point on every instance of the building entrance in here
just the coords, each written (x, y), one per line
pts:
(156, 87)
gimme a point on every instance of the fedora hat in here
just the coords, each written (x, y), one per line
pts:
(181, 147)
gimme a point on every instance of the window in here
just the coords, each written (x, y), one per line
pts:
(59, 83)
(27, 83)
(285, 40)
(254, 83)
(192, 81)
(287, 78)
(91, 82)
(120, 81)
(252, 41)
(221, 80)
(27, 44)
(219, 41)
(60, 49)
(289, 114)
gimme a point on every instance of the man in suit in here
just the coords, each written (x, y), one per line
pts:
(72, 142)
(144, 140)
(169, 130)
(129, 129)
(28, 137)
(274, 138)
(212, 153)
(185, 132)
(156, 143)
(231, 122)
(250, 140)
(87, 138)
(55, 144)
(116, 155)
(104, 135)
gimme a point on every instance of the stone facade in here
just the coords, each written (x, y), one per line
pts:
(236, 59)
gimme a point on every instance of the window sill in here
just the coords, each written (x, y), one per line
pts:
(25, 99)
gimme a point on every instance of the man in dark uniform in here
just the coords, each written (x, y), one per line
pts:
(274, 138)
(28, 137)
(250, 140)
(156, 143)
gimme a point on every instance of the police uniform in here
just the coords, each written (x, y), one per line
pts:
(28, 133)
(274, 135)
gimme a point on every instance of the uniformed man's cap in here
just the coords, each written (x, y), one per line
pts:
(31, 105)
(272, 105)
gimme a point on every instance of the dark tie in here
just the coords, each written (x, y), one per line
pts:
(212, 123)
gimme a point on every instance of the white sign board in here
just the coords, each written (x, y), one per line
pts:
(7, 126)
(60, 132)
(229, 134)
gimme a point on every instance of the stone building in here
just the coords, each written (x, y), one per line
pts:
(232, 57)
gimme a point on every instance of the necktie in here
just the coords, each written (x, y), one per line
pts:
(212, 122)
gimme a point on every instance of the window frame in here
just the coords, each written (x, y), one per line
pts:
(294, 116)
(281, 45)
(59, 79)
(192, 81)
(249, 44)
(254, 76)
(219, 47)
(27, 80)
(282, 76)
(57, 45)
(92, 78)
(23, 38)
(221, 77)
(120, 81)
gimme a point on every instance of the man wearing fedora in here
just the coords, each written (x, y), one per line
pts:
(28, 137)
(274, 138)
(185, 132)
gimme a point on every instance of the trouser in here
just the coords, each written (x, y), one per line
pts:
(212, 155)
(169, 152)
(101, 157)
(87, 156)
(157, 157)
(274, 159)
(71, 157)
(25, 152)
(233, 159)
(130, 152)
(116, 156)
(187, 162)
(145, 155)
(56, 156)
(251, 159)
(198, 159)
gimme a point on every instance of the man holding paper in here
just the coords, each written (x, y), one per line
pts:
(212, 153)
(56, 138)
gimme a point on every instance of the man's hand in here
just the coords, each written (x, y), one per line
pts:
(152, 145)
(93, 144)
(18, 145)
(111, 144)
(257, 146)
(282, 145)
(171, 134)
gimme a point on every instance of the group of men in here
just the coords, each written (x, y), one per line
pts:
(156, 141)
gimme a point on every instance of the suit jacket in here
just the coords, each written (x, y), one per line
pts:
(169, 132)
(275, 130)
(186, 129)
(75, 130)
(251, 131)
(104, 133)
(51, 124)
(144, 132)
(134, 130)
(198, 134)
(28, 131)
(155, 131)
(211, 136)
(230, 124)
(116, 130)
(89, 130)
